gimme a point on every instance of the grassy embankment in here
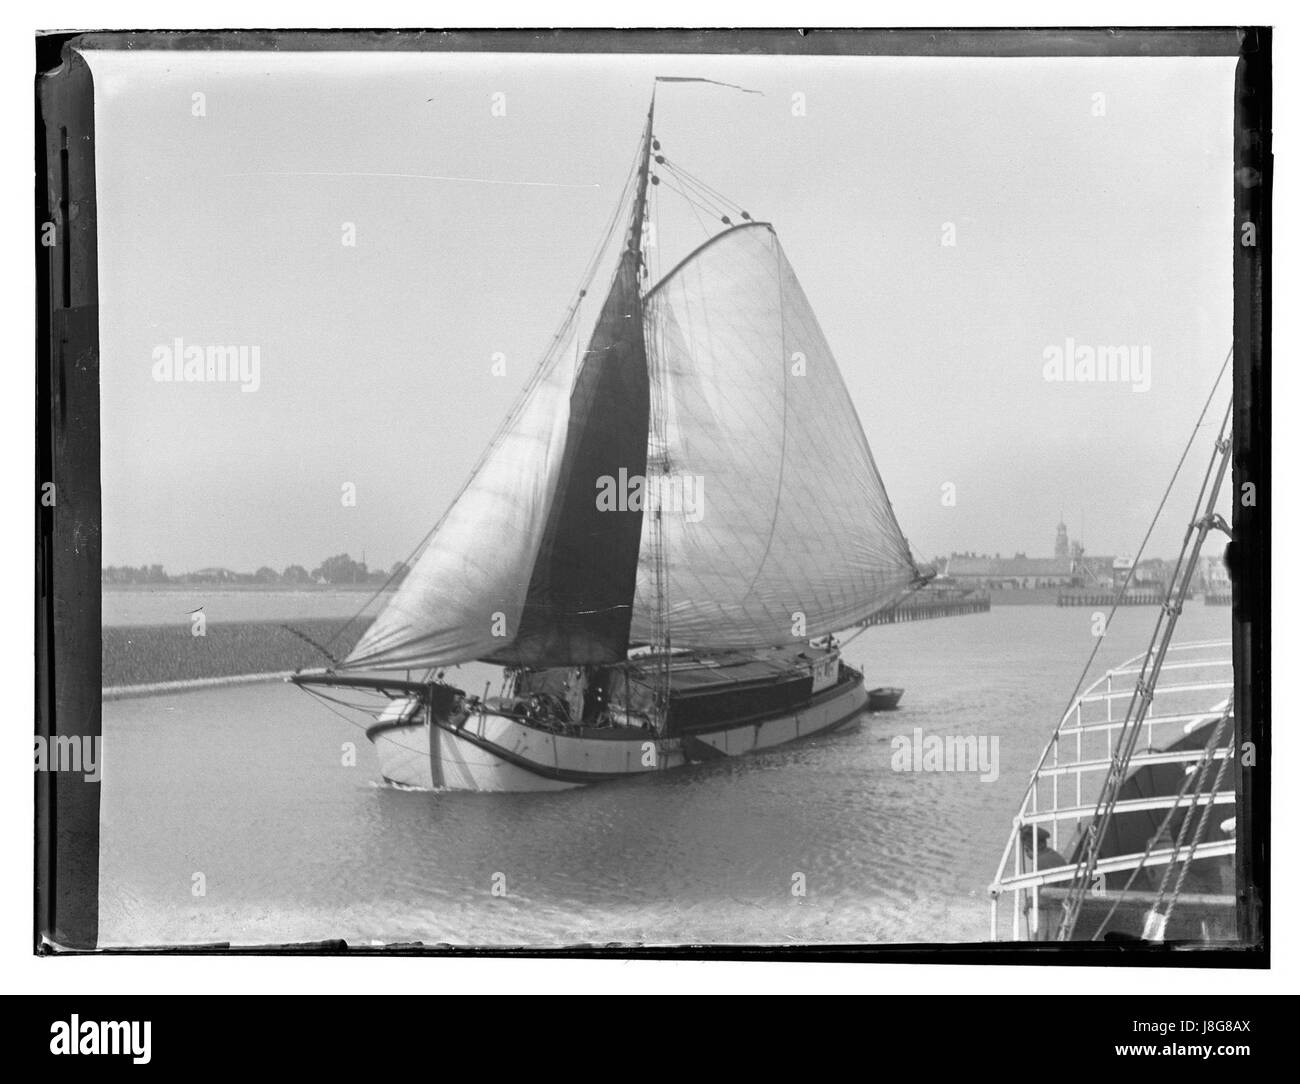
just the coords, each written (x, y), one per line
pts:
(144, 654)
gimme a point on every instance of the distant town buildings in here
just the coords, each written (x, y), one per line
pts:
(997, 572)
(1212, 575)
(1069, 567)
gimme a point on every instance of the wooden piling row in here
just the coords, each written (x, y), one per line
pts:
(1105, 599)
(922, 609)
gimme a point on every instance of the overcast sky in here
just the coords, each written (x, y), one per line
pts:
(375, 360)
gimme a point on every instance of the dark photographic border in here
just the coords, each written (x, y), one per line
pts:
(68, 579)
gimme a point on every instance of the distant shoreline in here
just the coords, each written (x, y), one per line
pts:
(217, 585)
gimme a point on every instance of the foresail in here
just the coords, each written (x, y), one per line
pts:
(536, 562)
(775, 523)
(465, 593)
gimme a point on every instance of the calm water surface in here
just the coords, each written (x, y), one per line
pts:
(247, 787)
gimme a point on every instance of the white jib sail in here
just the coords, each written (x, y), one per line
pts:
(463, 597)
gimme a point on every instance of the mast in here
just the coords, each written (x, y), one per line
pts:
(642, 185)
(657, 458)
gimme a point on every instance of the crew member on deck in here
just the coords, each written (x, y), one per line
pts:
(575, 693)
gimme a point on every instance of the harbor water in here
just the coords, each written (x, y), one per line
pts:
(254, 815)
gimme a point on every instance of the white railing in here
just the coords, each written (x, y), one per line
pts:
(1067, 780)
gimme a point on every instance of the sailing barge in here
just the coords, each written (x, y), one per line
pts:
(657, 547)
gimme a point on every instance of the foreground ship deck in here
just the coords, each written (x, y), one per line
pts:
(1165, 863)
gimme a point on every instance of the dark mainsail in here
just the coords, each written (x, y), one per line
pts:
(579, 603)
(578, 608)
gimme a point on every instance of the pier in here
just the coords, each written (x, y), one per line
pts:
(1108, 598)
(922, 607)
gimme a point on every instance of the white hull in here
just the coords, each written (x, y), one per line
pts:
(494, 753)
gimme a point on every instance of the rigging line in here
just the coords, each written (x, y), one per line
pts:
(693, 199)
(694, 205)
(614, 218)
(730, 212)
(698, 182)
(362, 707)
(327, 701)
(704, 189)
(548, 359)
(593, 261)
(1143, 693)
(658, 432)
(695, 213)
(658, 244)
(701, 191)
(1197, 839)
(1167, 616)
(1138, 707)
(1195, 527)
(366, 605)
(1199, 775)
(907, 592)
(307, 639)
(720, 205)
(407, 563)
(845, 643)
(785, 430)
(1151, 842)
(538, 375)
(1078, 685)
(897, 541)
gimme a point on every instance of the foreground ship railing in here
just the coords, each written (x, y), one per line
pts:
(1178, 768)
